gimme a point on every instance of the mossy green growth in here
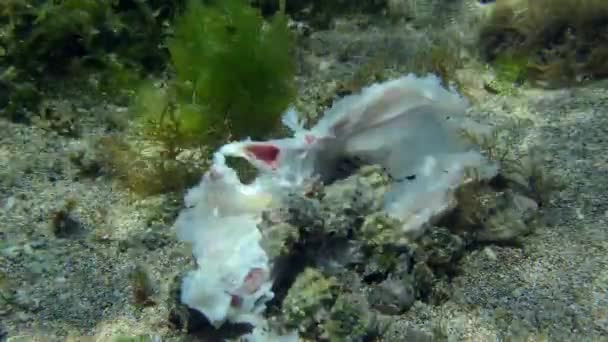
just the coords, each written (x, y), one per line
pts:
(511, 68)
(511, 71)
(161, 150)
(164, 120)
(235, 65)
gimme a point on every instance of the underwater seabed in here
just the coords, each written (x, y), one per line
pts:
(383, 220)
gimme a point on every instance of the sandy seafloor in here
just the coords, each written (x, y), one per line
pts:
(553, 287)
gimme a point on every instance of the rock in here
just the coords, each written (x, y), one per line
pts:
(393, 296)
(440, 247)
(350, 319)
(308, 301)
(512, 219)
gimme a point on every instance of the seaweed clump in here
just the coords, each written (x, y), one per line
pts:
(234, 76)
(156, 155)
(45, 41)
(563, 41)
(233, 65)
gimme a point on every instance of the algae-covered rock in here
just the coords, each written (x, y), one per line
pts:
(393, 296)
(380, 229)
(309, 301)
(343, 258)
(353, 245)
(316, 306)
(440, 247)
(345, 203)
(278, 239)
(423, 279)
(512, 220)
(302, 212)
(350, 319)
(376, 177)
(335, 211)
(488, 213)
